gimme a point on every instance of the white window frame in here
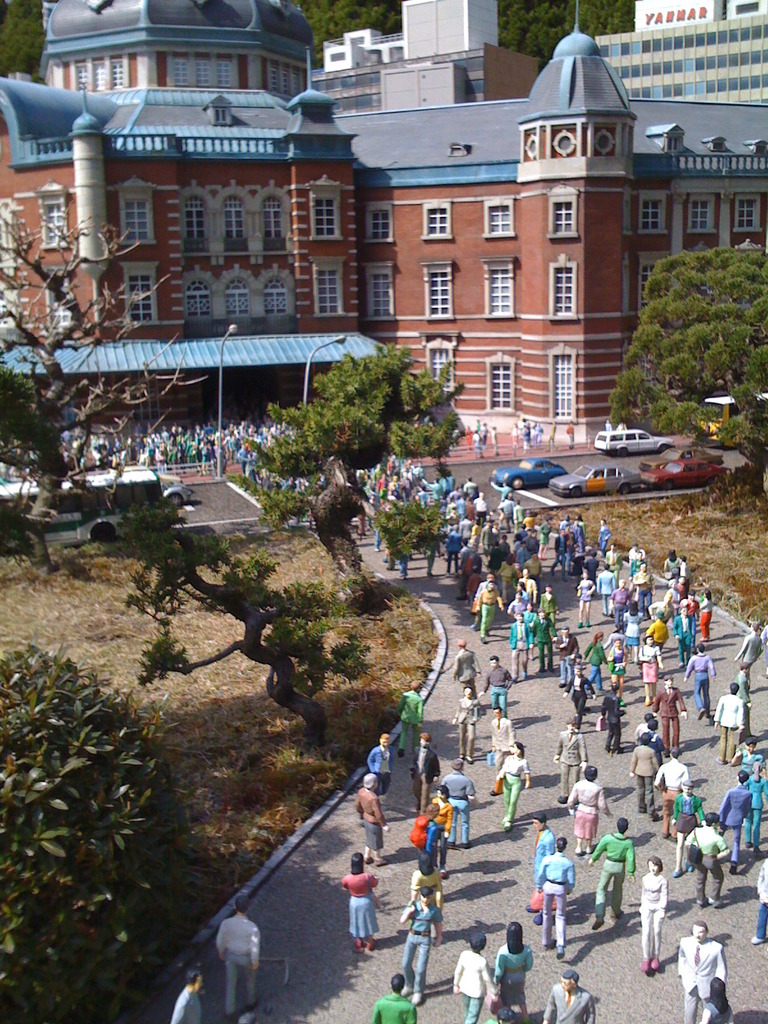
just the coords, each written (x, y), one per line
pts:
(326, 191)
(149, 271)
(646, 260)
(652, 197)
(101, 75)
(372, 272)
(82, 75)
(180, 70)
(562, 194)
(563, 263)
(500, 359)
(321, 267)
(267, 289)
(446, 344)
(750, 197)
(710, 204)
(224, 75)
(490, 267)
(54, 220)
(202, 72)
(489, 206)
(372, 211)
(429, 269)
(117, 73)
(195, 237)
(565, 352)
(272, 203)
(136, 191)
(197, 294)
(442, 212)
(237, 288)
(232, 229)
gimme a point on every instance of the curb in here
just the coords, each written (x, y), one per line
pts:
(284, 851)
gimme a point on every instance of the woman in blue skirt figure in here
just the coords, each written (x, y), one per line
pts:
(362, 904)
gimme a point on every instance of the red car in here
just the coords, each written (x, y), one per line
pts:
(687, 473)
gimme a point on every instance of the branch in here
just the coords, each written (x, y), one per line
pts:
(186, 670)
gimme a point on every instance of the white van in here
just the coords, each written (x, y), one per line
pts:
(631, 442)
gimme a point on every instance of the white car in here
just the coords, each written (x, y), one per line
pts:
(631, 442)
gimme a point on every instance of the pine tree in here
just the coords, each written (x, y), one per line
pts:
(21, 38)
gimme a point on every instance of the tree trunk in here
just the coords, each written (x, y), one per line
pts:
(281, 690)
(39, 517)
(333, 510)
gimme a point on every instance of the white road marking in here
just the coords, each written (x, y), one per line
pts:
(243, 494)
(220, 522)
(537, 497)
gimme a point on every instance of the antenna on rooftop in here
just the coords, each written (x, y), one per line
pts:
(308, 52)
(576, 19)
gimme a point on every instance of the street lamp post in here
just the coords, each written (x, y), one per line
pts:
(340, 340)
(232, 329)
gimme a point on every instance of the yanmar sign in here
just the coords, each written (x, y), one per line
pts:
(650, 15)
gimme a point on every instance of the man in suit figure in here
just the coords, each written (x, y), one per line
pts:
(672, 707)
(699, 960)
(568, 1003)
(736, 805)
(424, 771)
(572, 757)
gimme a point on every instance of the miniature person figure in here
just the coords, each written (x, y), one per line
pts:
(568, 649)
(748, 758)
(571, 755)
(187, 1009)
(669, 779)
(394, 1008)
(472, 979)
(548, 605)
(587, 800)
(651, 664)
(672, 707)
(445, 820)
(461, 793)
(736, 805)
(424, 770)
(595, 657)
(498, 680)
(617, 664)
(502, 737)
(612, 712)
(513, 961)
(424, 916)
(543, 846)
(729, 719)
(585, 591)
(410, 708)
(488, 600)
(568, 1003)
(544, 634)
(380, 763)
(368, 806)
(580, 689)
(757, 785)
(238, 942)
(556, 878)
(712, 849)
(427, 874)
(683, 626)
(687, 813)
(762, 911)
(699, 960)
(619, 861)
(702, 668)
(465, 667)
(519, 641)
(513, 771)
(653, 906)
(466, 719)
(643, 770)
(362, 905)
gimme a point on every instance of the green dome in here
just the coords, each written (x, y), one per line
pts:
(577, 44)
(86, 124)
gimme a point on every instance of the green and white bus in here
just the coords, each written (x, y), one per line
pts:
(92, 514)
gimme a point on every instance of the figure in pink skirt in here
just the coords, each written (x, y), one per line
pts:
(587, 799)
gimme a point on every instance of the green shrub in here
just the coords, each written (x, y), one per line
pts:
(93, 865)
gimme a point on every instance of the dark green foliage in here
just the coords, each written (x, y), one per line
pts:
(703, 331)
(407, 529)
(92, 862)
(21, 38)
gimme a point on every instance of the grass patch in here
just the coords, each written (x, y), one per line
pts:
(722, 531)
(236, 755)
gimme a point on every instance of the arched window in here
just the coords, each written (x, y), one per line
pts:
(275, 297)
(234, 221)
(272, 211)
(194, 219)
(198, 299)
(237, 298)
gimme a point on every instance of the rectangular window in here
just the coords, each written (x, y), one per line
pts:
(54, 221)
(136, 220)
(379, 229)
(180, 72)
(234, 222)
(501, 385)
(325, 217)
(699, 215)
(118, 74)
(439, 292)
(272, 77)
(437, 222)
(651, 215)
(500, 291)
(100, 77)
(563, 387)
(194, 219)
(563, 291)
(285, 80)
(139, 296)
(223, 74)
(562, 218)
(328, 291)
(202, 74)
(746, 214)
(82, 76)
(645, 273)
(380, 293)
(500, 220)
(439, 358)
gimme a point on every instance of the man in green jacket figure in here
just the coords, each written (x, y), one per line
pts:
(619, 861)
(544, 634)
(394, 1008)
(410, 708)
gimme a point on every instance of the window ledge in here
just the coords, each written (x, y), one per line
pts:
(564, 316)
(499, 234)
(702, 231)
(652, 231)
(501, 316)
(380, 316)
(440, 316)
(326, 238)
(558, 235)
(437, 238)
(374, 241)
(327, 316)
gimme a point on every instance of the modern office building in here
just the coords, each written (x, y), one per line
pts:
(709, 51)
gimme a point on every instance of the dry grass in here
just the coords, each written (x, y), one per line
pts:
(722, 532)
(236, 755)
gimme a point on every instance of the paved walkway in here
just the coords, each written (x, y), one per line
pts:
(303, 913)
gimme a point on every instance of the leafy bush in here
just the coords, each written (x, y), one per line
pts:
(93, 868)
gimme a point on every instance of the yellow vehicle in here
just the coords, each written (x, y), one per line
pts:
(726, 406)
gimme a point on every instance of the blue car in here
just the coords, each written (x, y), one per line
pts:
(527, 473)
